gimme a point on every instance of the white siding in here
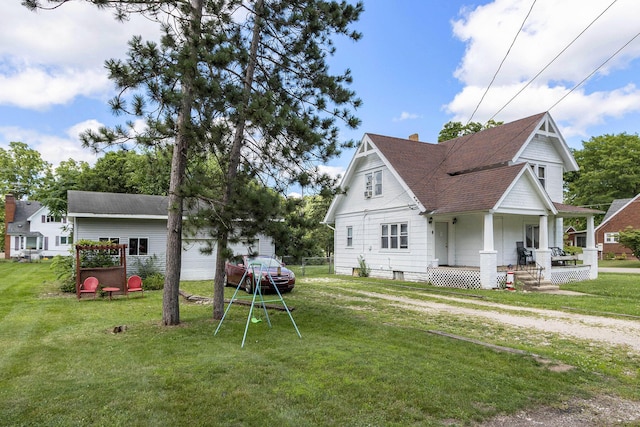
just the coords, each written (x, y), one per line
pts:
(542, 152)
(154, 230)
(366, 216)
(195, 264)
(522, 197)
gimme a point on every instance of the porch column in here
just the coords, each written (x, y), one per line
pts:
(488, 256)
(543, 253)
(559, 233)
(590, 253)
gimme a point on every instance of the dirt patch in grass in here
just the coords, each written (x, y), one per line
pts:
(597, 411)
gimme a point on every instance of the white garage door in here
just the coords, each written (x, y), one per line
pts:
(195, 264)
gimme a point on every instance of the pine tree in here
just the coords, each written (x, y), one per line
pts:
(243, 92)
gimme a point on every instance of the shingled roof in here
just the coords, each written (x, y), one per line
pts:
(90, 203)
(20, 223)
(469, 173)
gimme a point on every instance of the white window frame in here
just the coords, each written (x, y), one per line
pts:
(350, 236)
(612, 237)
(541, 172)
(394, 236)
(373, 183)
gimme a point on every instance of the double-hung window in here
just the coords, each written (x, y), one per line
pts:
(394, 236)
(349, 236)
(541, 173)
(373, 184)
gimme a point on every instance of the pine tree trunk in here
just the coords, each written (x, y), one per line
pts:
(232, 171)
(170, 297)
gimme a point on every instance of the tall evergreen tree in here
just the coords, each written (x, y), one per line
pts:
(242, 84)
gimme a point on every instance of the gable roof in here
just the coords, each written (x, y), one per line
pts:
(618, 205)
(446, 177)
(24, 210)
(116, 205)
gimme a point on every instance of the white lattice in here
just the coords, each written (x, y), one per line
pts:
(563, 275)
(454, 277)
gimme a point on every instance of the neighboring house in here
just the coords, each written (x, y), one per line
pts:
(140, 221)
(31, 232)
(409, 208)
(575, 237)
(622, 213)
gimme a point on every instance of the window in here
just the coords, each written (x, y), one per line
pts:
(611, 237)
(349, 237)
(138, 246)
(533, 236)
(111, 240)
(541, 174)
(395, 236)
(373, 184)
(62, 240)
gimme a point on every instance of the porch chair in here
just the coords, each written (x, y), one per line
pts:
(524, 255)
(134, 284)
(89, 286)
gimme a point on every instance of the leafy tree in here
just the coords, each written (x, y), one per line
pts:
(69, 175)
(630, 238)
(303, 234)
(21, 170)
(452, 130)
(609, 169)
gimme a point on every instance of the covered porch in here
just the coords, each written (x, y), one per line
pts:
(482, 247)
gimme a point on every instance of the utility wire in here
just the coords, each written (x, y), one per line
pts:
(552, 61)
(501, 63)
(594, 71)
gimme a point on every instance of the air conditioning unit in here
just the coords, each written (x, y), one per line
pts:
(367, 194)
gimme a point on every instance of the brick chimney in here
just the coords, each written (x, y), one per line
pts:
(9, 215)
(414, 137)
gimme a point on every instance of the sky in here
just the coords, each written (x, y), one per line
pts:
(419, 64)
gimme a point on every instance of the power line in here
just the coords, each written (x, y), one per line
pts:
(594, 71)
(553, 60)
(502, 62)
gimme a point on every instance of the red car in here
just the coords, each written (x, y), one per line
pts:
(271, 269)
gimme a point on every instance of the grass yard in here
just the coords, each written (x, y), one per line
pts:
(359, 362)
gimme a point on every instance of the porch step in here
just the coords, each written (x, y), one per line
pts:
(530, 283)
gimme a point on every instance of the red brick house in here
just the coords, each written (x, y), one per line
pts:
(622, 213)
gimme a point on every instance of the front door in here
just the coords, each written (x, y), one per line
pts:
(442, 243)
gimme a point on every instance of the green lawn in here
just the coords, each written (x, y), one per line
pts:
(359, 362)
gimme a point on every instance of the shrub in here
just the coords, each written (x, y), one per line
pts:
(63, 266)
(363, 269)
(146, 267)
(154, 282)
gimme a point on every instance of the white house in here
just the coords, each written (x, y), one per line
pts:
(140, 221)
(32, 232)
(411, 208)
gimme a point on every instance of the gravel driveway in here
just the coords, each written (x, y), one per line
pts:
(598, 411)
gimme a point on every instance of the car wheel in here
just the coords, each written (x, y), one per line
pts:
(248, 284)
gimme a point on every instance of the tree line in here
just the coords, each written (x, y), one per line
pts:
(23, 173)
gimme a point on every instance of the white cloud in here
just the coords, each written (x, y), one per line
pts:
(38, 88)
(332, 171)
(406, 116)
(52, 149)
(51, 57)
(488, 31)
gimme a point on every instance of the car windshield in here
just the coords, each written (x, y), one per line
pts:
(264, 261)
